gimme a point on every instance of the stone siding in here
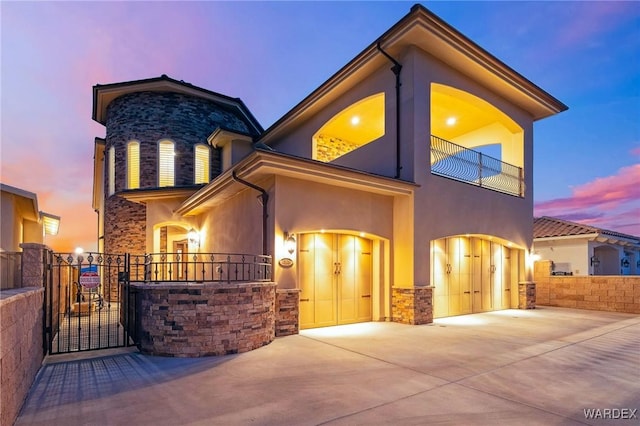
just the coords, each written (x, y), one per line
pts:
(412, 305)
(328, 148)
(149, 117)
(287, 312)
(614, 293)
(194, 319)
(21, 351)
(124, 232)
(526, 295)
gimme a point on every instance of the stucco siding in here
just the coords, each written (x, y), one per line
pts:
(376, 157)
(235, 226)
(305, 206)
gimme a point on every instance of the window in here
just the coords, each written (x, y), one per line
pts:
(112, 170)
(166, 164)
(353, 127)
(133, 165)
(201, 163)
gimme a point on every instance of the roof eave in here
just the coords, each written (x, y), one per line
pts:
(104, 94)
(274, 163)
(455, 41)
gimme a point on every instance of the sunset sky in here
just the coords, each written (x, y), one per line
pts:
(273, 54)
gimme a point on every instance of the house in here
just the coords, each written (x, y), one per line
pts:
(400, 189)
(577, 249)
(22, 221)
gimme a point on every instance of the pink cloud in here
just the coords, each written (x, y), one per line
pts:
(611, 202)
(591, 18)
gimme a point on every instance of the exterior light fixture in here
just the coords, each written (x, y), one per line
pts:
(289, 242)
(451, 121)
(194, 237)
(595, 262)
(355, 120)
(624, 263)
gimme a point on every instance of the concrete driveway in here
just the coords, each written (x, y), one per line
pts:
(545, 366)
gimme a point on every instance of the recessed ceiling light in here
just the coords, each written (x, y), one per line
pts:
(451, 121)
(355, 120)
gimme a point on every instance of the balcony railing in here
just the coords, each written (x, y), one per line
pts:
(466, 165)
(200, 267)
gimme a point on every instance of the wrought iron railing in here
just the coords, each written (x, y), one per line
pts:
(457, 162)
(200, 267)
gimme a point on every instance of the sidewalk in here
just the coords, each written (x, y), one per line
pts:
(544, 366)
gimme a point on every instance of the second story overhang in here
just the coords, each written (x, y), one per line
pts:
(262, 164)
(423, 29)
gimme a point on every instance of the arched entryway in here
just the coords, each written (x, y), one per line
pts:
(473, 274)
(335, 274)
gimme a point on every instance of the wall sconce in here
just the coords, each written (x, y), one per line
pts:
(194, 237)
(595, 262)
(625, 263)
(289, 242)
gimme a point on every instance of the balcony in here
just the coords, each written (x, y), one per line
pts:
(466, 165)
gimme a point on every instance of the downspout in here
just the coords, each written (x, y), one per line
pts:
(396, 68)
(264, 200)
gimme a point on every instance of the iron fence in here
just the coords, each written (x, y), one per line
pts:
(10, 270)
(85, 302)
(200, 267)
(457, 162)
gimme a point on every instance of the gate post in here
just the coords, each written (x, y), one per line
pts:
(33, 264)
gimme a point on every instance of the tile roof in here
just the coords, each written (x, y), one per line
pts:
(545, 227)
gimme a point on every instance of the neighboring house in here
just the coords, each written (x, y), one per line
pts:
(22, 221)
(578, 249)
(409, 170)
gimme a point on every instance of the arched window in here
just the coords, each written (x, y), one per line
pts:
(133, 165)
(166, 163)
(353, 127)
(201, 164)
(112, 170)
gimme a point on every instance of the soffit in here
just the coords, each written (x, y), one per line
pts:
(25, 202)
(261, 165)
(142, 196)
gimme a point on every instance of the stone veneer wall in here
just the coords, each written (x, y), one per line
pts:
(21, 351)
(287, 311)
(328, 148)
(124, 232)
(203, 319)
(412, 305)
(526, 295)
(614, 293)
(148, 117)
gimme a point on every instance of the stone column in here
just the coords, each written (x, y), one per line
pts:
(287, 311)
(526, 295)
(33, 264)
(412, 305)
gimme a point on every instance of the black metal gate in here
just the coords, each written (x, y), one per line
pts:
(88, 303)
